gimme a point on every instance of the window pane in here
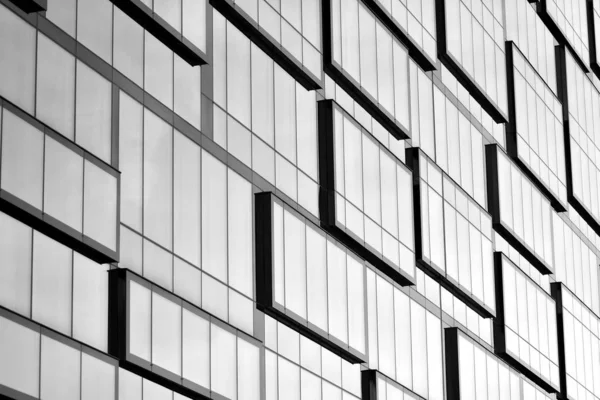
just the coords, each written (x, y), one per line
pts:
(223, 375)
(239, 222)
(93, 112)
(55, 99)
(158, 70)
(94, 27)
(129, 48)
(22, 159)
(60, 371)
(166, 333)
(90, 302)
(238, 75)
(100, 206)
(139, 320)
(196, 355)
(15, 257)
(19, 357)
(17, 64)
(52, 283)
(187, 91)
(63, 184)
(97, 379)
(248, 371)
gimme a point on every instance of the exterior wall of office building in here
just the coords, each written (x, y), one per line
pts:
(299, 199)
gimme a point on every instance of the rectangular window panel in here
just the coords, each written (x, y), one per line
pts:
(576, 263)
(454, 236)
(469, 369)
(520, 212)
(579, 342)
(193, 354)
(580, 98)
(178, 24)
(37, 363)
(298, 368)
(472, 47)
(308, 280)
(569, 24)
(48, 282)
(414, 22)
(369, 62)
(526, 29)
(405, 339)
(61, 190)
(289, 33)
(522, 305)
(535, 130)
(368, 197)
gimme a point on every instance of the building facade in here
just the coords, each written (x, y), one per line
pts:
(299, 199)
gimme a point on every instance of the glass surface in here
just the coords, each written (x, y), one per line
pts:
(263, 102)
(336, 290)
(166, 333)
(196, 346)
(186, 281)
(240, 231)
(140, 316)
(223, 362)
(15, 255)
(60, 371)
(194, 22)
(316, 274)
(158, 180)
(130, 385)
(22, 159)
(128, 51)
(241, 312)
(63, 184)
(19, 357)
(170, 11)
(295, 264)
(90, 302)
(98, 379)
(248, 371)
(187, 92)
(52, 283)
(63, 15)
(158, 70)
(100, 205)
(55, 87)
(93, 112)
(238, 75)
(17, 65)
(285, 114)
(94, 27)
(214, 216)
(186, 199)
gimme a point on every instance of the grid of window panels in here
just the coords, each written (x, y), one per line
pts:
(570, 23)
(305, 276)
(168, 339)
(473, 47)
(289, 31)
(536, 135)
(455, 236)
(476, 373)
(533, 38)
(579, 333)
(520, 213)
(369, 62)
(580, 99)
(298, 368)
(66, 187)
(416, 22)
(526, 332)
(367, 193)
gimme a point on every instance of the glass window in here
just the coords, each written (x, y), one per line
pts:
(93, 112)
(98, 379)
(15, 277)
(17, 65)
(60, 371)
(186, 207)
(186, 281)
(239, 222)
(158, 70)
(55, 100)
(295, 263)
(223, 369)
(19, 357)
(166, 333)
(128, 49)
(194, 22)
(139, 320)
(100, 206)
(170, 11)
(63, 184)
(214, 216)
(52, 283)
(196, 349)
(248, 370)
(62, 13)
(158, 180)
(130, 385)
(90, 302)
(187, 92)
(238, 75)
(22, 159)
(94, 27)
(131, 150)
(158, 265)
